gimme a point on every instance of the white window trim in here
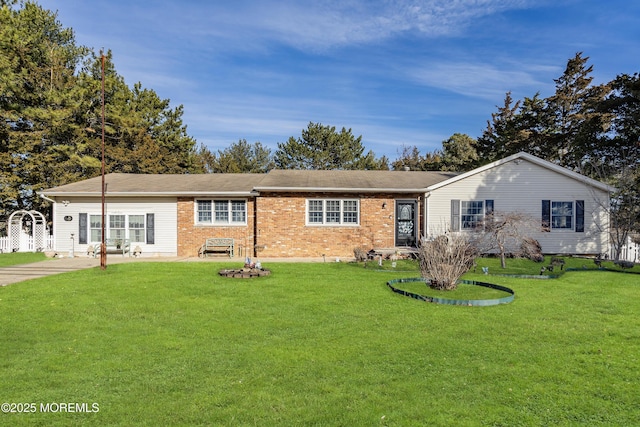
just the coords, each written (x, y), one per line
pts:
(213, 222)
(324, 213)
(573, 217)
(482, 216)
(107, 227)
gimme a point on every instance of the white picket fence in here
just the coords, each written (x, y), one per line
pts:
(26, 244)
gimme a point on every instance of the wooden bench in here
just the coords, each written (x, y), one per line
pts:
(114, 246)
(216, 245)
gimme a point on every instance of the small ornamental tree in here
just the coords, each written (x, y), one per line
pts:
(445, 259)
(505, 233)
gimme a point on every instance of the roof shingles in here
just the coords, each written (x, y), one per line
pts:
(276, 180)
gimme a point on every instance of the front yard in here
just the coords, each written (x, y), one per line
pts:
(317, 344)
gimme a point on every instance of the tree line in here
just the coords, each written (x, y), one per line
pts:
(50, 127)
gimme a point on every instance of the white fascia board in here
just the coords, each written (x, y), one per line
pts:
(533, 159)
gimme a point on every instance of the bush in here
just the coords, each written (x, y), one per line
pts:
(360, 253)
(531, 249)
(445, 259)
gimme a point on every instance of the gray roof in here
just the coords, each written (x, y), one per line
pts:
(246, 184)
(347, 180)
(161, 184)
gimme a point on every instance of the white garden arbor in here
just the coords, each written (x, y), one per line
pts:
(27, 231)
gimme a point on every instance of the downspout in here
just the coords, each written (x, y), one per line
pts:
(425, 227)
(54, 204)
(253, 252)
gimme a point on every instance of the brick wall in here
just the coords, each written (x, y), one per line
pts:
(192, 236)
(281, 229)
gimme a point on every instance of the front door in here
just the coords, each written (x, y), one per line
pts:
(406, 222)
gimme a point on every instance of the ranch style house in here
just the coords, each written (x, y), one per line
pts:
(312, 213)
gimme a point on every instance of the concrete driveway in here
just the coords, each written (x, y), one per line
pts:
(19, 273)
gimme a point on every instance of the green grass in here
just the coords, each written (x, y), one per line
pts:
(317, 344)
(462, 292)
(16, 258)
(520, 266)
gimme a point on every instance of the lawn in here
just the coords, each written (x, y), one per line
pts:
(317, 344)
(16, 258)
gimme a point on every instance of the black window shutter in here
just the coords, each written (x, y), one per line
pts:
(546, 215)
(82, 228)
(455, 215)
(488, 207)
(151, 236)
(579, 216)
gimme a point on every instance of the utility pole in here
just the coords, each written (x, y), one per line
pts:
(103, 247)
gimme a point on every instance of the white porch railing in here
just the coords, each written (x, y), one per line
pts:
(26, 244)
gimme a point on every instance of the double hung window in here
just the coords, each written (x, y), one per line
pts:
(563, 215)
(221, 212)
(333, 212)
(469, 214)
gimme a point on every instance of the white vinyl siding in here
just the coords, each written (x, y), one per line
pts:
(163, 209)
(520, 187)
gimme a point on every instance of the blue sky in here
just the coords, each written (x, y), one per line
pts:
(396, 72)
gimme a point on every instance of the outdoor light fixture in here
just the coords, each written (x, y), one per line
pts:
(384, 205)
(65, 203)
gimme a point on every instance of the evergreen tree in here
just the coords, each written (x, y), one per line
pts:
(50, 113)
(577, 126)
(241, 157)
(498, 138)
(410, 158)
(38, 58)
(322, 147)
(459, 153)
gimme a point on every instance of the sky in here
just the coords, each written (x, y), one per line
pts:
(400, 73)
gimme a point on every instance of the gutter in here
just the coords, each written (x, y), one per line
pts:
(46, 198)
(338, 190)
(154, 194)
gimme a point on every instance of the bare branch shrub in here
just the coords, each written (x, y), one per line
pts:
(444, 259)
(506, 233)
(360, 253)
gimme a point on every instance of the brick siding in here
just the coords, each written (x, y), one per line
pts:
(191, 236)
(282, 232)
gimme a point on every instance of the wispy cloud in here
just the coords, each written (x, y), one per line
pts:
(397, 72)
(320, 25)
(474, 79)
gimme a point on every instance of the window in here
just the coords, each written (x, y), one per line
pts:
(563, 215)
(467, 215)
(95, 228)
(117, 227)
(136, 228)
(221, 212)
(333, 212)
(316, 211)
(472, 214)
(204, 211)
(238, 211)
